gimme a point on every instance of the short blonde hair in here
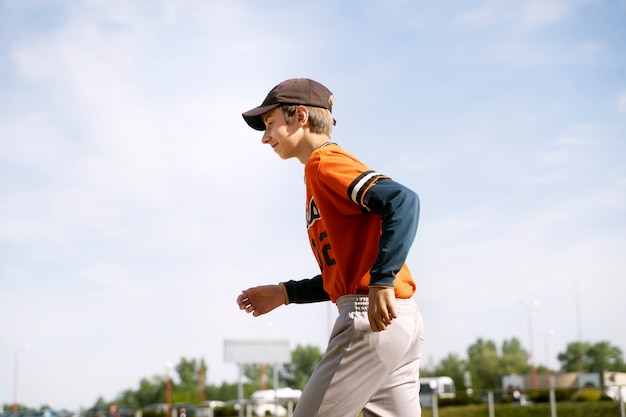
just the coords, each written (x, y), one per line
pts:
(320, 120)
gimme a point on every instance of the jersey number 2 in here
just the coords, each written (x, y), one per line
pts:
(323, 253)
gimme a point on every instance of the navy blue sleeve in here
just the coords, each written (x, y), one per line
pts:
(306, 290)
(398, 207)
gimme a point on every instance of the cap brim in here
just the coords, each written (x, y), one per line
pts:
(254, 117)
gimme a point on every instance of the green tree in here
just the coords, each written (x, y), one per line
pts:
(303, 361)
(188, 374)
(587, 357)
(604, 357)
(256, 372)
(127, 398)
(223, 392)
(514, 359)
(294, 374)
(452, 366)
(573, 359)
(101, 401)
(150, 392)
(483, 363)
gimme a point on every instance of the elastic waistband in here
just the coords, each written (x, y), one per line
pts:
(351, 303)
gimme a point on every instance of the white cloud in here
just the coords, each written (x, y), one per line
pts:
(611, 196)
(574, 140)
(519, 53)
(522, 15)
(621, 103)
(592, 52)
(537, 14)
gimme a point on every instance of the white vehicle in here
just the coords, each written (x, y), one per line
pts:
(283, 394)
(268, 409)
(441, 386)
(270, 402)
(206, 409)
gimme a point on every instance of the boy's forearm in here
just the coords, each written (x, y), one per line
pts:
(305, 291)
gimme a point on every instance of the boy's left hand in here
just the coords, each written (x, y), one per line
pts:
(261, 300)
(382, 308)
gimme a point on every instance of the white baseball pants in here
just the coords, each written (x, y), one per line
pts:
(373, 372)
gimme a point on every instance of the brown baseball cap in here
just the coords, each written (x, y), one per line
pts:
(296, 91)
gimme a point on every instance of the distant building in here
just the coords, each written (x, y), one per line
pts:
(612, 383)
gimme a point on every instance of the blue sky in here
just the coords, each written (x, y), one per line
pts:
(135, 203)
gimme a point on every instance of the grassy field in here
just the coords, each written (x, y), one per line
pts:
(565, 409)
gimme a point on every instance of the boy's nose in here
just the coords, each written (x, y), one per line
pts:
(266, 137)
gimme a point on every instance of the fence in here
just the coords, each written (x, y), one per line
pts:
(489, 398)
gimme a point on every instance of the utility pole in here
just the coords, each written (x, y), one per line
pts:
(531, 341)
(580, 332)
(201, 382)
(16, 354)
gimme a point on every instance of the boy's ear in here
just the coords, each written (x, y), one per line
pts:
(302, 115)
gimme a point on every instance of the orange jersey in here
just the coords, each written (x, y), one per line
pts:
(343, 233)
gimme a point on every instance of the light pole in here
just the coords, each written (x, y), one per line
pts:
(16, 354)
(546, 336)
(201, 382)
(529, 308)
(168, 388)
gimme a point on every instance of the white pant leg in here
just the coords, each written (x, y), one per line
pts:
(361, 368)
(398, 396)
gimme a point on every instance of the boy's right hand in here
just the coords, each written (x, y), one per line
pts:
(261, 300)
(382, 308)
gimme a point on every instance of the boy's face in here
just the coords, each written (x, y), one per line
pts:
(282, 137)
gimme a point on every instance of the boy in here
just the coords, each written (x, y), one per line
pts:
(361, 225)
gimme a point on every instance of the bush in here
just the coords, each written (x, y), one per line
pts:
(226, 411)
(567, 409)
(588, 394)
(539, 396)
(563, 394)
(460, 399)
